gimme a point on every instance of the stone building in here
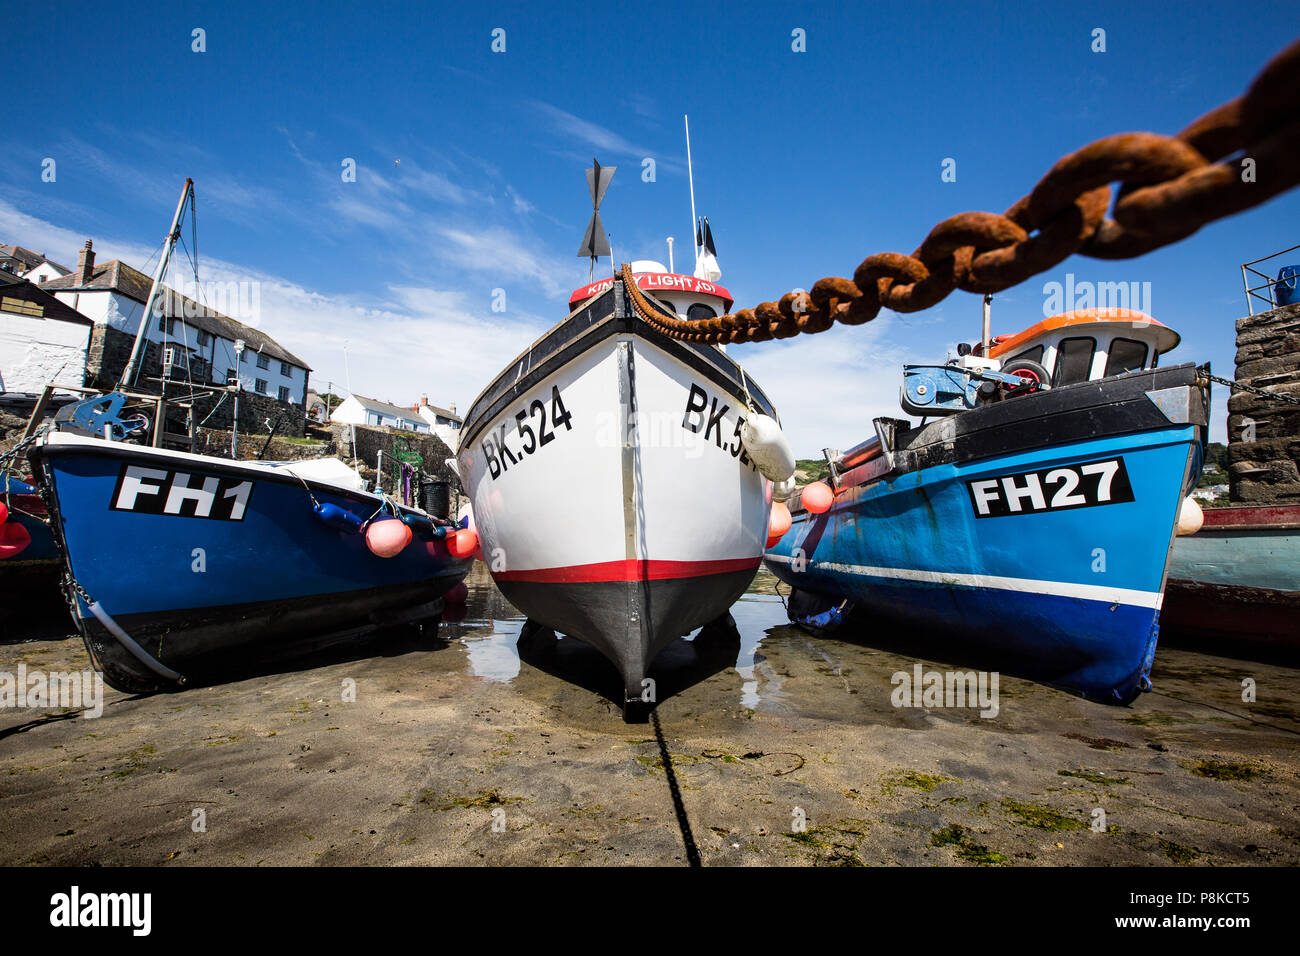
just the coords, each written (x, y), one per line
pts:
(1264, 434)
(188, 342)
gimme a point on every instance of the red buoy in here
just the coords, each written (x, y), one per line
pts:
(779, 522)
(386, 538)
(817, 498)
(462, 544)
(4, 513)
(14, 539)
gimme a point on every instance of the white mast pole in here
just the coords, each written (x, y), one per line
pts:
(137, 351)
(670, 253)
(690, 172)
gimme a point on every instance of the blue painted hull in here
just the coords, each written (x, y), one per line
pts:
(1071, 597)
(202, 591)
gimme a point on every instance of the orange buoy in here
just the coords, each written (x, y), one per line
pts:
(773, 541)
(387, 538)
(14, 539)
(457, 595)
(817, 498)
(463, 543)
(779, 522)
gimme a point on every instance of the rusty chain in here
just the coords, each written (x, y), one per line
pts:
(1169, 186)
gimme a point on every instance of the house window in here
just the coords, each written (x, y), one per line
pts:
(1126, 355)
(1074, 360)
(263, 361)
(231, 376)
(259, 386)
(284, 393)
(205, 339)
(21, 306)
(243, 356)
(162, 324)
(286, 370)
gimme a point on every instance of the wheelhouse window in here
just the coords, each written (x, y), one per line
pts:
(1074, 360)
(664, 305)
(699, 312)
(1034, 355)
(1126, 355)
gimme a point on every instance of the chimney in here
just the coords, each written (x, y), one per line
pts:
(424, 401)
(85, 264)
(452, 408)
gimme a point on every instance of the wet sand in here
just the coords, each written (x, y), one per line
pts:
(456, 751)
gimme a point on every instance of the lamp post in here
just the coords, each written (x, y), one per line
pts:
(234, 418)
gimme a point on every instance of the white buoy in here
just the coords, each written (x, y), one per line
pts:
(782, 490)
(1190, 516)
(766, 444)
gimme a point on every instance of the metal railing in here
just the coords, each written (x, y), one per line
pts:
(1253, 292)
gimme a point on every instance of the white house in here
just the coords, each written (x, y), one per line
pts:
(445, 422)
(32, 266)
(42, 341)
(198, 343)
(359, 410)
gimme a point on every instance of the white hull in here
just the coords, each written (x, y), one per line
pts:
(624, 537)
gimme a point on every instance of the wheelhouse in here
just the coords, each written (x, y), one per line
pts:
(1086, 344)
(685, 296)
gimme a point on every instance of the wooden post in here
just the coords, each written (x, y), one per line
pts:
(38, 412)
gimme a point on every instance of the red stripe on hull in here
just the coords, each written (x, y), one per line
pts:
(630, 571)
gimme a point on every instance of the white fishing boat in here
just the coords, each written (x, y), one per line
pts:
(614, 498)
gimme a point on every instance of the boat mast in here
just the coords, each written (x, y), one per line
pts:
(986, 338)
(132, 370)
(690, 173)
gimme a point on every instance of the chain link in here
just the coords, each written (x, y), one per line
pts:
(1168, 187)
(1263, 393)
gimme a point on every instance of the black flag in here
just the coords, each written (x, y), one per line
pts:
(704, 237)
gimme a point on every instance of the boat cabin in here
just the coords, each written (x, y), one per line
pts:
(686, 296)
(1085, 344)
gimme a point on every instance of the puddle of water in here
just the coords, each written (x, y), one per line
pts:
(489, 630)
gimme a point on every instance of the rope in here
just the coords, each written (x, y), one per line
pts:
(1169, 186)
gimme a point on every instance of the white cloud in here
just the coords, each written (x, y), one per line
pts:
(828, 387)
(500, 252)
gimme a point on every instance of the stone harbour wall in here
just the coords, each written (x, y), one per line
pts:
(1264, 435)
(110, 350)
(372, 440)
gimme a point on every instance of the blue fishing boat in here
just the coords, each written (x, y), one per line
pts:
(179, 565)
(1032, 519)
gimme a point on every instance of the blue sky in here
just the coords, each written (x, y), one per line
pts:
(470, 163)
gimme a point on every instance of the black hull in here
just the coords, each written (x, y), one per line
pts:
(206, 643)
(629, 622)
